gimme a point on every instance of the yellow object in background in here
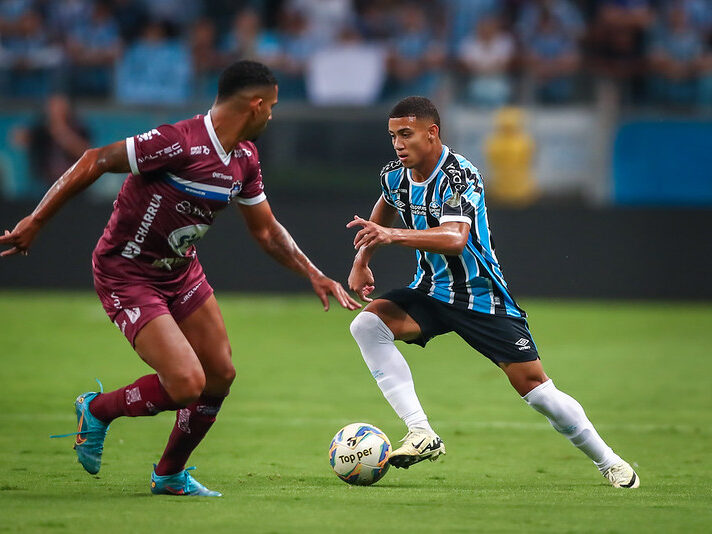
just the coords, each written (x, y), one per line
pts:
(509, 150)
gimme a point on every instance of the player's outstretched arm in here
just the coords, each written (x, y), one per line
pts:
(276, 241)
(93, 163)
(361, 280)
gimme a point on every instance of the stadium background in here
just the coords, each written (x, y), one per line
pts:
(611, 198)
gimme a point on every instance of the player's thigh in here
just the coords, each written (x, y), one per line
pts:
(403, 326)
(205, 331)
(164, 347)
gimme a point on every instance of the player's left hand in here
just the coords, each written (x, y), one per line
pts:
(370, 233)
(325, 286)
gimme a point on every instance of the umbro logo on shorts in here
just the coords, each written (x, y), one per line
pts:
(523, 344)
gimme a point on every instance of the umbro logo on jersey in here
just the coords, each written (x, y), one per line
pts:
(523, 344)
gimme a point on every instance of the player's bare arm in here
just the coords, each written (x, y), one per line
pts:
(361, 280)
(93, 163)
(449, 238)
(278, 243)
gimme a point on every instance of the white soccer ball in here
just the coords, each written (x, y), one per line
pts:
(359, 454)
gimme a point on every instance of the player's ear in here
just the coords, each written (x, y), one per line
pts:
(433, 132)
(256, 103)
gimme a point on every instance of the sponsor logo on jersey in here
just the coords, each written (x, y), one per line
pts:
(182, 239)
(169, 263)
(147, 136)
(186, 208)
(169, 151)
(115, 300)
(454, 200)
(417, 209)
(197, 150)
(395, 164)
(221, 176)
(133, 248)
(242, 153)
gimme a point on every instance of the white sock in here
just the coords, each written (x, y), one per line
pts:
(567, 417)
(389, 368)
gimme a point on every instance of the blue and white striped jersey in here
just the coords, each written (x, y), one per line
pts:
(453, 192)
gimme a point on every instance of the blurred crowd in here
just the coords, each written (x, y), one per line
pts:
(481, 52)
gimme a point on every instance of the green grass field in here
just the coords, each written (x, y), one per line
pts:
(641, 370)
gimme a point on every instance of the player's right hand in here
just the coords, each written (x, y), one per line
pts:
(21, 237)
(361, 282)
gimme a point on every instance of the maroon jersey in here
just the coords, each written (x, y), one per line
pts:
(181, 177)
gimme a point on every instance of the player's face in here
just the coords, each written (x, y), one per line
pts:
(263, 112)
(413, 139)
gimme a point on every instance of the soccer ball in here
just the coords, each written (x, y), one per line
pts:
(359, 454)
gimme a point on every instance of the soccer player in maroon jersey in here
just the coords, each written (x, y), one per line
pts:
(147, 273)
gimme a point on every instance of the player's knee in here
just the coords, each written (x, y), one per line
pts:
(185, 388)
(368, 326)
(226, 376)
(226, 371)
(219, 378)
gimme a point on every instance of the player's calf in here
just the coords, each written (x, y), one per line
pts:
(568, 418)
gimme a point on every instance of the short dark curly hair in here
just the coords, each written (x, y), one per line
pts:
(418, 107)
(241, 75)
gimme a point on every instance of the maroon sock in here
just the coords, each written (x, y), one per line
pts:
(192, 423)
(146, 396)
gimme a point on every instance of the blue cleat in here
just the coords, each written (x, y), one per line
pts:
(90, 436)
(179, 484)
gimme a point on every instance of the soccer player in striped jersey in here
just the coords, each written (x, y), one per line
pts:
(458, 287)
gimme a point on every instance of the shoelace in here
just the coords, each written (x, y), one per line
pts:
(101, 390)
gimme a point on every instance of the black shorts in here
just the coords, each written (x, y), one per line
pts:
(501, 338)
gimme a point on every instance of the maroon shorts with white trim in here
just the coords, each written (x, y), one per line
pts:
(132, 303)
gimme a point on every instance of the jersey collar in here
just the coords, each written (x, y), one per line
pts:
(214, 138)
(436, 170)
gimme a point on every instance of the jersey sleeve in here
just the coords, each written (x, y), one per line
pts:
(459, 203)
(253, 190)
(385, 190)
(162, 148)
